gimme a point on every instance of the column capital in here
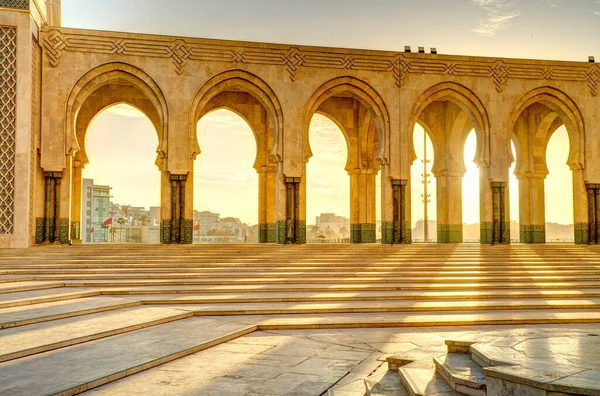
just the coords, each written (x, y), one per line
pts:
(56, 175)
(178, 177)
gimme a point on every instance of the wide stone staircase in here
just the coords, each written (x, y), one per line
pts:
(75, 317)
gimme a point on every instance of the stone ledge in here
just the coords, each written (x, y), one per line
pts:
(569, 381)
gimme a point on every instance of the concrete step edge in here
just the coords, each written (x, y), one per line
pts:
(91, 337)
(41, 300)
(459, 384)
(65, 315)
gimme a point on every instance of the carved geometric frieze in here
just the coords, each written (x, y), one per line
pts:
(593, 76)
(500, 74)
(294, 58)
(21, 4)
(8, 113)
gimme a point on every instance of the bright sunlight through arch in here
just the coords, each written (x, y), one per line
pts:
(121, 146)
(558, 188)
(327, 181)
(225, 181)
(417, 189)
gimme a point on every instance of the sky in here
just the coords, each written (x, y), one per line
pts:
(125, 142)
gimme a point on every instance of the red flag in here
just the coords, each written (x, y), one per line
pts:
(92, 231)
(108, 222)
(196, 228)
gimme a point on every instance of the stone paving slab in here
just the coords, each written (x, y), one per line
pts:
(80, 367)
(28, 340)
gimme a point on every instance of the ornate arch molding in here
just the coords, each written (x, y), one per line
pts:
(247, 82)
(96, 104)
(116, 73)
(469, 103)
(360, 91)
(569, 113)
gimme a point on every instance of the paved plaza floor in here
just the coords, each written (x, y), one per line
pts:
(315, 362)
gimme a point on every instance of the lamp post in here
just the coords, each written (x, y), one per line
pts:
(426, 197)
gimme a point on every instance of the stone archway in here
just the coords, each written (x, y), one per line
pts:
(101, 87)
(537, 115)
(362, 116)
(448, 112)
(251, 98)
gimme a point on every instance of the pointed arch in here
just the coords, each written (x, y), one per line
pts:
(569, 113)
(468, 102)
(362, 92)
(127, 78)
(247, 82)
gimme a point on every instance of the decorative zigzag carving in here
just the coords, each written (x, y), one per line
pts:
(399, 65)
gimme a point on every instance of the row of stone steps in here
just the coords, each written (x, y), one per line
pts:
(77, 368)
(86, 306)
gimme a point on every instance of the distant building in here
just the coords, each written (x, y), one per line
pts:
(135, 234)
(207, 221)
(418, 233)
(232, 225)
(330, 226)
(154, 213)
(96, 210)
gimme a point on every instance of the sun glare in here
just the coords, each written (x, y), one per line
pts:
(121, 146)
(225, 181)
(327, 182)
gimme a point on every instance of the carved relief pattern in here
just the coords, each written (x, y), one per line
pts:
(293, 59)
(22, 4)
(499, 73)
(593, 76)
(8, 112)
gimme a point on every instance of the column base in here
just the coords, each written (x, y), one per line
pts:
(281, 227)
(188, 232)
(165, 231)
(63, 231)
(486, 233)
(40, 223)
(449, 233)
(534, 233)
(387, 232)
(301, 237)
(582, 236)
(267, 232)
(362, 233)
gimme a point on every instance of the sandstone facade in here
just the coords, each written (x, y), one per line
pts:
(56, 80)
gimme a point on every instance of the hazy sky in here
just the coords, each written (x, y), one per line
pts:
(125, 141)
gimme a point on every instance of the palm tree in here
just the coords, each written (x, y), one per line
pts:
(143, 219)
(315, 229)
(122, 221)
